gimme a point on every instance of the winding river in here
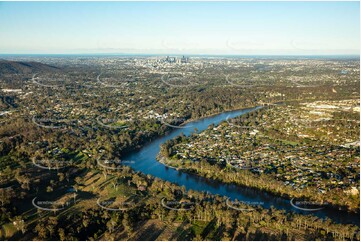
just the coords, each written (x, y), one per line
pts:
(145, 161)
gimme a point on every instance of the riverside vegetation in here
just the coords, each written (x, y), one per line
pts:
(61, 117)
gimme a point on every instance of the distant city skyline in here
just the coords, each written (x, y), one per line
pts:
(190, 28)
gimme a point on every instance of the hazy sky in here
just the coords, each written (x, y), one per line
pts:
(180, 27)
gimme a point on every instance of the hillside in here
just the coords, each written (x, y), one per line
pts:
(20, 67)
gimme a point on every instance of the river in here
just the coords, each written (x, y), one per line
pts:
(144, 160)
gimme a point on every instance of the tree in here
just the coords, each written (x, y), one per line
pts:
(62, 235)
(41, 230)
(61, 176)
(127, 223)
(6, 194)
(78, 180)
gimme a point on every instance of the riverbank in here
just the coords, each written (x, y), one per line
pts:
(147, 163)
(315, 186)
(155, 135)
(246, 179)
(218, 113)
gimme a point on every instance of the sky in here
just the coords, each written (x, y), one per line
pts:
(239, 28)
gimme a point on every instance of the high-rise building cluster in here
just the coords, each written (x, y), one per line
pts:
(170, 59)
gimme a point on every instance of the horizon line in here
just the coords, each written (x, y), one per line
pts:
(174, 54)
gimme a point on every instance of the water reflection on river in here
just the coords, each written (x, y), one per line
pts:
(145, 161)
